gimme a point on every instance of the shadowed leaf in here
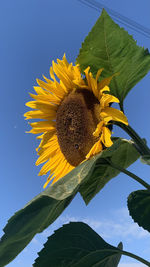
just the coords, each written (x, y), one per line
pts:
(37, 215)
(139, 208)
(76, 244)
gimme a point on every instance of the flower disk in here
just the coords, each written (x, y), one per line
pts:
(74, 115)
(75, 124)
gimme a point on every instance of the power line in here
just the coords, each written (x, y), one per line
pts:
(118, 17)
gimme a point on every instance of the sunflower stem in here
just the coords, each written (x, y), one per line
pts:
(140, 145)
(129, 254)
(132, 175)
(121, 106)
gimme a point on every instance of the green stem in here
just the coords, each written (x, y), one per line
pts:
(132, 175)
(135, 257)
(143, 148)
(129, 254)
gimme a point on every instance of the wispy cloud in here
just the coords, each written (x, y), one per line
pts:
(120, 225)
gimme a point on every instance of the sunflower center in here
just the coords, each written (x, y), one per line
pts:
(76, 121)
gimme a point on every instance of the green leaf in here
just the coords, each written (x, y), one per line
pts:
(145, 159)
(124, 155)
(139, 208)
(76, 244)
(110, 47)
(37, 215)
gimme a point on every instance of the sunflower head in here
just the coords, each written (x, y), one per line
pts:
(74, 115)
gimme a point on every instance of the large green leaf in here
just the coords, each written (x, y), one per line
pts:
(37, 215)
(91, 176)
(76, 244)
(110, 47)
(48, 205)
(139, 208)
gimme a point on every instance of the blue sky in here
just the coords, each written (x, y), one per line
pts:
(33, 33)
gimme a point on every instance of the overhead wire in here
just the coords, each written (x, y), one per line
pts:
(118, 17)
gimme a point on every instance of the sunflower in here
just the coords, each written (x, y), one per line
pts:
(74, 115)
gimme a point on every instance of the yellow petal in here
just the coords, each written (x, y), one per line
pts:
(106, 137)
(42, 105)
(98, 129)
(40, 130)
(42, 126)
(60, 167)
(96, 148)
(106, 99)
(44, 85)
(50, 98)
(47, 153)
(88, 77)
(113, 114)
(47, 80)
(59, 90)
(40, 136)
(56, 160)
(52, 75)
(92, 83)
(65, 60)
(40, 90)
(64, 170)
(38, 114)
(62, 75)
(48, 181)
(99, 73)
(47, 137)
(105, 81)
(45, 169)
(105, 89)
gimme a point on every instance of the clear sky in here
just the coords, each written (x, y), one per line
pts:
(33, 33)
